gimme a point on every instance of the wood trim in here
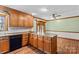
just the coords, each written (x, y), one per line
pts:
(3, 14)
(62, 31)
(63, 18)
(6, 20)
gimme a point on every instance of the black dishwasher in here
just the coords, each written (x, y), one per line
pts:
(15, 42)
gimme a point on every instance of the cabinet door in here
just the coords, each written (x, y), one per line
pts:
(47, 45)
(13, 18)
(4, 45)
(28, 21)
(25, 21)
(31, 39)
(25, 39)
(40, 43)
(35, 41)
(21, 20)
(54, 44)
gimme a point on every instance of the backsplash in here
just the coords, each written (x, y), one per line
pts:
(17, 29)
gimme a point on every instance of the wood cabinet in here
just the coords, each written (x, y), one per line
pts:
(28, 21)
(18, 18)
(31, 39)
(35, 40)
(21, 20)
(4, 44)
(67, 46)
(24, 39)
(40, 42)
(47, 44)
(13, 21)
(25, 21)
(44, 43)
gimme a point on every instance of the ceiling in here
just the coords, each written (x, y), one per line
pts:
(45, 11)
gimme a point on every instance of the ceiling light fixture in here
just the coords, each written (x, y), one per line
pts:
(34, 13)
(44, 9)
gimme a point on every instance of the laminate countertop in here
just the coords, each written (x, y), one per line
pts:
(9, 33)
(46, 34)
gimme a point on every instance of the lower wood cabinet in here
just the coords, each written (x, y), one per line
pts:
(50, 44)
(31, 39)
(4, 44)
(47, 45)
(44, 43)
(40, 42)
(35, 40)
(24, 39)
(67, 46)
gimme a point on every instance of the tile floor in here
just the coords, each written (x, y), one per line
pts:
(26, 50)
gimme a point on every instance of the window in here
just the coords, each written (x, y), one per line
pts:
(2, 18)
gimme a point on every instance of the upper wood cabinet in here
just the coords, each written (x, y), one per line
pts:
(13, 21)
(28, 21)
(19, 19)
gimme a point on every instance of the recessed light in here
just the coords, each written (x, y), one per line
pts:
(34, 13)
(44, 9)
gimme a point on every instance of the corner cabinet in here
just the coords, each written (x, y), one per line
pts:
(50, 44)
(25, 39)
(45, 43)
(4, 44)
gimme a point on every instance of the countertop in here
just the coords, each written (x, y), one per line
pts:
(74, 36)
(9, 33)
(46, 34)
